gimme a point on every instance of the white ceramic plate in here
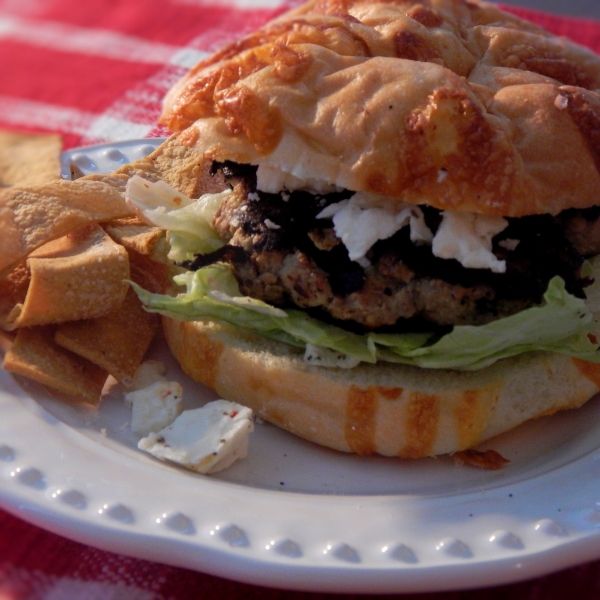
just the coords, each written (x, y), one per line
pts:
(294, 515)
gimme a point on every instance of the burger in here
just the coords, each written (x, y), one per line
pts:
(393, 246)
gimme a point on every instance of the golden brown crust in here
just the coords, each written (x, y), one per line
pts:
(31, 216)
(35, 355)
(116, 342)
(85, 260)
(28, 159)
(392, 410)
(383, 96)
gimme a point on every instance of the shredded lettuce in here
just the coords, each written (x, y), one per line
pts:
(561, 324)
(189, 222)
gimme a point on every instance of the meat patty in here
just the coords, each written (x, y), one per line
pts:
(288, 257)
(582, 229)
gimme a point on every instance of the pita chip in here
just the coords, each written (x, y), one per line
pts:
(78, 276)
(31, 216)
(147, 250)
(137, 236)
(116, 342)
(27, 159)
(180, 165)
(35, 355)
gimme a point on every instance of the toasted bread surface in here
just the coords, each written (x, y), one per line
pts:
(387, 409)
(451, 103)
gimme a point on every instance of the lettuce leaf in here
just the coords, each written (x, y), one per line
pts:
(562, 324)
(189, 222)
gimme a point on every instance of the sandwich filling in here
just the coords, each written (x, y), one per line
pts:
(414, 182)
(289, 249)
(274, 264)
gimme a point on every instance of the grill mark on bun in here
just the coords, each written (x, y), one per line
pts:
(470, 420)
(390, 393)
(359, 428)
(589, 370)
(248, 43)
(313, 403)
(211, 355)
(421, 424)
(549, 58)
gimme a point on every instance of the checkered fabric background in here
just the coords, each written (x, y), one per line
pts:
(96, 71)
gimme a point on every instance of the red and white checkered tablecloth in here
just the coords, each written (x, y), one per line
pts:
(95, 71)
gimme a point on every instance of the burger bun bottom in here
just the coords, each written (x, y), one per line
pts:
(387, 409)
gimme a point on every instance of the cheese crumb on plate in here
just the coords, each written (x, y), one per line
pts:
(205, 440)
(156, 406)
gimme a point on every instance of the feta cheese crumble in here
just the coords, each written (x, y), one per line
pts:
(360, 225)
(149, 372)
(271, 225)
(273, 180)
(156, 406)
(509, 245)
(467, 237)
(205, 440)
(154, 401)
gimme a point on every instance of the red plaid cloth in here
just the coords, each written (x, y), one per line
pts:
(95, 71)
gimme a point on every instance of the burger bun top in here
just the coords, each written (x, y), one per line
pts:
(451, 103)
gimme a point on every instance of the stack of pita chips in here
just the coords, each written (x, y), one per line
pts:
(67, 250)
